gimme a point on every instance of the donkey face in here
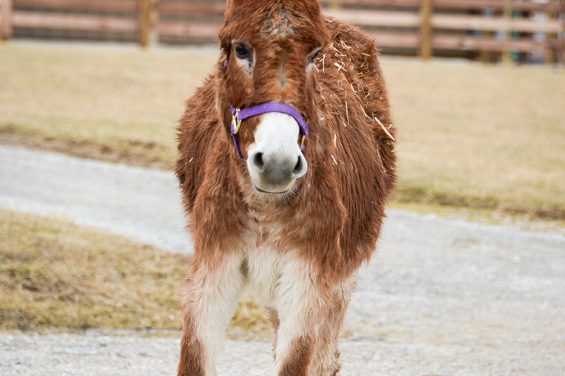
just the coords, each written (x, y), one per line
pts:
(269, 48)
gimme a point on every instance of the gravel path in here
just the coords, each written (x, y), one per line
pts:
(140, 203)
(96, 354)
(440, 297)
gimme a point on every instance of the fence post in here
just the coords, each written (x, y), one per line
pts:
(506, 54)
(6, 19)
(144, 22)
(551, 48)
(561, 13)
(487, 56)
(426, 12)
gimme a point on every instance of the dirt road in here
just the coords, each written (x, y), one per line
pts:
(440, 297)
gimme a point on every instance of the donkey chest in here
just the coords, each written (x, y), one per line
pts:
(265, 263)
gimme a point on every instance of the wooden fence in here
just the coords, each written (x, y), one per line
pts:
(122, 20)
(430, 26)
(426, 27)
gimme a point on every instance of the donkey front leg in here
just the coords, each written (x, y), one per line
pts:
(211, 295)
(325, 361)
(301, 306)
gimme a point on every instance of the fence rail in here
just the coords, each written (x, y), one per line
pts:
(108, 5)
(93, 19)
(426, 27)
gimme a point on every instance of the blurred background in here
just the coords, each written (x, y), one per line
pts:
(486, 30)
(469, 277)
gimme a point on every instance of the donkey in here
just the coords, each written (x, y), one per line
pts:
(286, 160)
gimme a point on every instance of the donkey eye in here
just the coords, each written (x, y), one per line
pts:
(242, 51)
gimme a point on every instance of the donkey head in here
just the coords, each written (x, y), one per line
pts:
(269, 48)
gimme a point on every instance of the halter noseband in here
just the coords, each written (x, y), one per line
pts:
(238, 115)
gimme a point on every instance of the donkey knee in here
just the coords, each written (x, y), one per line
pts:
(325, 363)
(191, 360)
(297, 360)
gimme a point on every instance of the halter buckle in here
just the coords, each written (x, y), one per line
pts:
(235, 121)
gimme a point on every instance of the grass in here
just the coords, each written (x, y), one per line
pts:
(57, 275)
(111, 103)
(470, 135)
(490, 137)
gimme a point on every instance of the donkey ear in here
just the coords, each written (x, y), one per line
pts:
(232, 4)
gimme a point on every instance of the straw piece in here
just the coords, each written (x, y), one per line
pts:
(344, 45)
(385, 129)
(380, 123)
(365, 113)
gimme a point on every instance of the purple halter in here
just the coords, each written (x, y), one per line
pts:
(238, 115)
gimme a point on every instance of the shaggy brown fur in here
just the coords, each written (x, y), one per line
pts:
(333, 217)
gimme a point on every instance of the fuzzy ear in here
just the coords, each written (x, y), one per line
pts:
(232, 4)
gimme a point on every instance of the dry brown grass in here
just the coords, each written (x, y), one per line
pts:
(469, 135)
(480, 136)
(57, 275)
(112, 103)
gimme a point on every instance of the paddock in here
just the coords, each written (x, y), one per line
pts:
(466, 280)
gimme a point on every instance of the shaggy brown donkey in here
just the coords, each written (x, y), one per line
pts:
(286, 159)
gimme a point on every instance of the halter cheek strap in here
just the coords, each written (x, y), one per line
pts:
(238, 115)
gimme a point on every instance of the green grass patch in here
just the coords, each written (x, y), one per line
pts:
(57, 275)
(470, 135)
